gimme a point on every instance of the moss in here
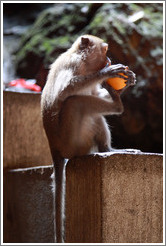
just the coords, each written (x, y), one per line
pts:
(121, 28)
(60, 42)
(133, 8)
(47, 45)
(157, 53)
(42, 19)
(56, 28)
(97, 21)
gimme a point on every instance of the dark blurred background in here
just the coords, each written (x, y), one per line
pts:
(36, 33)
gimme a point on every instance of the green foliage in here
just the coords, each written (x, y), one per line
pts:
(56, 28)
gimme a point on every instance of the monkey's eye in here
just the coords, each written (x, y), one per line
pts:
(104, 47)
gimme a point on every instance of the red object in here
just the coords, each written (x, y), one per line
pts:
(25, 84)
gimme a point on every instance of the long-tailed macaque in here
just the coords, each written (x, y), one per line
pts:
(74, 102)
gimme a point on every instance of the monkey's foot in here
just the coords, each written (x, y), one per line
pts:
(135, 151)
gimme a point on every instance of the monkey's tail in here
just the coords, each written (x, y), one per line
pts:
(59, 198)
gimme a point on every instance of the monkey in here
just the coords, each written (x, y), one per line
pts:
(74, 103)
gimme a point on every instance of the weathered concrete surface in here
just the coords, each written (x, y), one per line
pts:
(117, 199)
(28, 206)
(109, 199)
(24, 140)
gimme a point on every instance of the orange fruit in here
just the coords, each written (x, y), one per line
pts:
(117, 83)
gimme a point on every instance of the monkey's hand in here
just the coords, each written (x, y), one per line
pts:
(131, 77)
(113, 93)
(131, 80)
(123, 72)
(120, 71)
(113, 71)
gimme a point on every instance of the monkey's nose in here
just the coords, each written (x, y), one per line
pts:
(105, 47)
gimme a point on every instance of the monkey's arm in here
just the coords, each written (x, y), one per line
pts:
(84, 82)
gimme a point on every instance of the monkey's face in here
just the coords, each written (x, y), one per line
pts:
(94, 52)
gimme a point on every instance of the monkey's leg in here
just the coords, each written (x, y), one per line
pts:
(103, 139)
(103, 136)
(114, 94)
(79, 114)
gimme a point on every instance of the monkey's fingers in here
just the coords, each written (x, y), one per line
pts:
(118, 74)
(131, 78)
(112, 70)
(123, 70)
(120, 71)
(118, 67)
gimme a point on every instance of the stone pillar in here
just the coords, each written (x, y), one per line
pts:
(110, 198)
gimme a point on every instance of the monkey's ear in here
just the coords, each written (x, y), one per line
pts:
(84, 43)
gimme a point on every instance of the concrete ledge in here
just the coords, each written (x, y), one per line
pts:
(115, 199)
(109, 199)
(24, 140)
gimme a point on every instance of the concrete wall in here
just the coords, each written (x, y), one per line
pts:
(24, 140)
(109, 199)
(28, 206)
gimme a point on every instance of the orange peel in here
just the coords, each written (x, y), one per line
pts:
(117, 83)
